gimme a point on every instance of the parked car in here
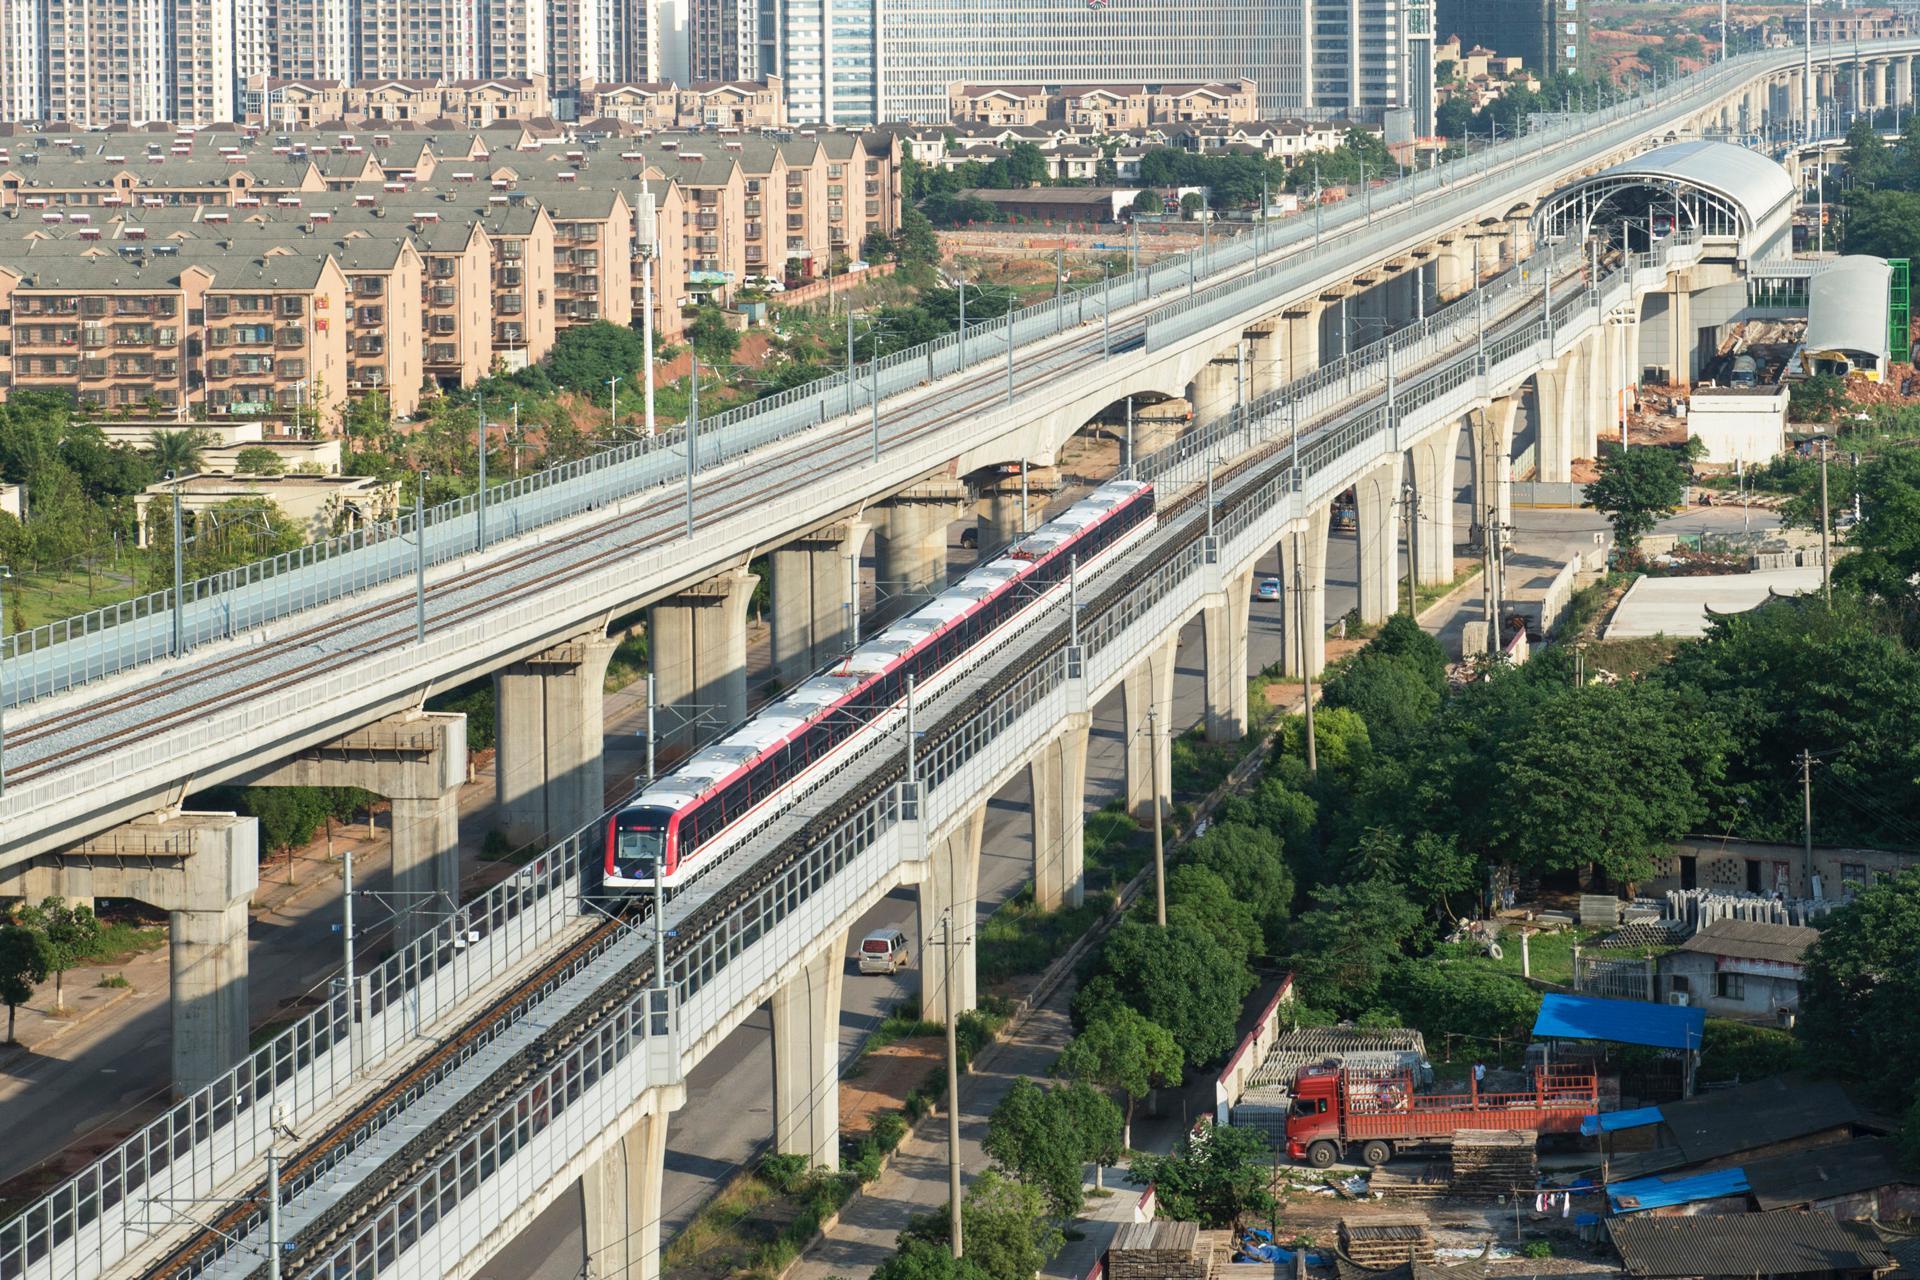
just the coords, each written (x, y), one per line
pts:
(884, 951)
(765, 284)
(1269, 589)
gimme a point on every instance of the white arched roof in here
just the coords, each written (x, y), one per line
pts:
(1730, 187)
(1847, 307)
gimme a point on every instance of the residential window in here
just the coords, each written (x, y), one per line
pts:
(1730, 986)
(1853, 873)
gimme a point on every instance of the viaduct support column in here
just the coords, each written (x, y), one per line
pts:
(1303, 339)
(1603, 377)
(1433, 464)
(620, 1194)
(418, 761)
(1225, 626)
(806, 1057)
(1556, 402)
(1211, 393)
(910, 543)
(1150, 684)
(812, 596)
(950, 885)
(1304, 595)
(1058, 773)
(1680, 334)
(1002, 519)
(1266, 359)
(699, 655)
(1377, 495)
(549, 773)
(201, 869)
(1452, 268)
(1492, 430)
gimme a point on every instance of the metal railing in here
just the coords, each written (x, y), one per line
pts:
(74, 1232)
(56, 656)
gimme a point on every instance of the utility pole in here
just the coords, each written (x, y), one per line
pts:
(650, 706)
(1411, 501)
(1127, 466)
(1826, 533)
(480, 498)
(953, 1095)
(1306, 666)
(419, 559)
(1806, 806)
(346, 947)
(693, 427)
(1159, 849)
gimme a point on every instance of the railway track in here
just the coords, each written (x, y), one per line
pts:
(728, 495)
(1185, 518)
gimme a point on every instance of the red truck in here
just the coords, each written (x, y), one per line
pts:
(1381, 1112)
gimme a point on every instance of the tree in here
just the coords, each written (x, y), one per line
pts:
(1463, 998)
(915, 241)
(1274, 806)
(1124, 1052)
(1402, 638)
(1252, 863)
(1605, 776)
(712, 336)
(1148, 202)
(1344, 948)
(1184, 980)
(24, 961)
(1453, 118)
(1216, 1177)
(176, 451)
(1198, 898)
(1005, 1226)
(1882, 224)
(1869, 163)
(1045, 1138)
(1390, 695)
(70, 933)
(585, 356)
(1191, 204)
(258, 460)
(1860, 1000)
(1635, 488)
(1886, 542)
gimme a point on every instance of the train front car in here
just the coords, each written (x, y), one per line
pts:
(639, 843)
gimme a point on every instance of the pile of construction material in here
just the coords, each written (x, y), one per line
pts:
(1701, 907)
(1159, 1250)
(1429, 1181)
(1380, 1244)
(1494, 1161)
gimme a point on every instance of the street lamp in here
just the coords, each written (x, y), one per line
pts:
(613, 401)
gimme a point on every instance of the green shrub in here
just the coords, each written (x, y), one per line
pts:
(784, 1173)
(1739, 1051)
(889, 1129)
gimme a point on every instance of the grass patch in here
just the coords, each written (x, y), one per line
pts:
(1199, 766)
(37, 598)
(1551, 953)
(114, 981)
(120, 942)
(1631, 657)
(1020, 938)
(1117, 847)
(629, 662)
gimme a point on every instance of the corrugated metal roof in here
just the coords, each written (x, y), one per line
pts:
(1744, 1118)
(1753, 940)
(1667, 1190)
(1742, 1244)
(1661, 1026)
(1847, 307)
(1820, 1173)
(1614, 1121)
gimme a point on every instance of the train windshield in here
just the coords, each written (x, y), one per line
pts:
(639, 844)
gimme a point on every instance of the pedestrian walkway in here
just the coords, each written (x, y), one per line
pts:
(916, 1180)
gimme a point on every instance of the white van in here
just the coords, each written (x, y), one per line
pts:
(884, 951)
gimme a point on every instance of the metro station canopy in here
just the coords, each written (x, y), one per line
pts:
(1712, 189)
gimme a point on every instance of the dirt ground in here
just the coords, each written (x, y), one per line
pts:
(886, 1077)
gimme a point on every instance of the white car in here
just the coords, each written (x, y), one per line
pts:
(765, 284)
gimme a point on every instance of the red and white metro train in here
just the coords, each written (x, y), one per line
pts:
(688, 818)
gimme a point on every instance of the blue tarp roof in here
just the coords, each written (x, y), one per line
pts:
(1659, 1193)
(1663, 1026)
(1609, 1121)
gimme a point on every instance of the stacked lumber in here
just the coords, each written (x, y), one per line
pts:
(1494, 1161)
(1429, 1182)
(1159, 1250)
(1385, 1243)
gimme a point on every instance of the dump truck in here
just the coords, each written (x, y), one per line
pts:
(1381, 1112)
